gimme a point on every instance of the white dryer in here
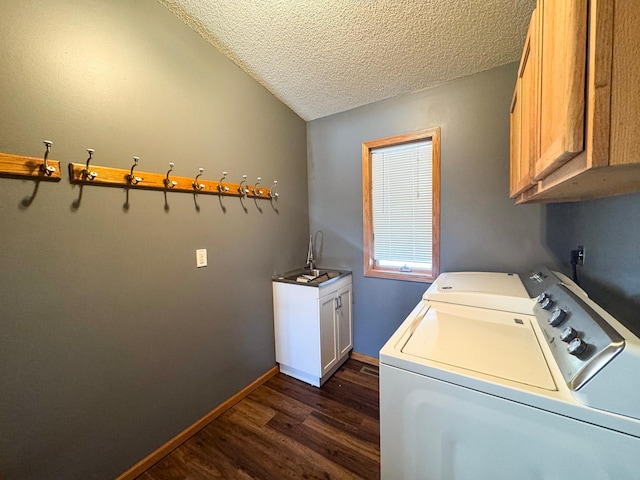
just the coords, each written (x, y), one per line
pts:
(479, 385)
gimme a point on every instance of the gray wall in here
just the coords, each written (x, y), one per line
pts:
(609, 229)
(111, 341)
(481, 228)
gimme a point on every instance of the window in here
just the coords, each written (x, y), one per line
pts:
(401, 206)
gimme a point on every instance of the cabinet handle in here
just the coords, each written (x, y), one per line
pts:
(338, 302)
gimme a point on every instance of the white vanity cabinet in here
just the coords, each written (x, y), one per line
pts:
(313, 328)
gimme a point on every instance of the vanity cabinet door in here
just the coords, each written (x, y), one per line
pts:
(343, 321)
(328, 332)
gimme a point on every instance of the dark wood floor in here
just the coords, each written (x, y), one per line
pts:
(287, 429)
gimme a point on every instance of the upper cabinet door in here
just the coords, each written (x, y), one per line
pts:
(524, 124)
(563, 48)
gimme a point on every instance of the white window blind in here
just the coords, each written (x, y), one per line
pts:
(402, 205)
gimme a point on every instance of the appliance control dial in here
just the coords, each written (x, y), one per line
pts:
(557, 317)
(568, 334)
(546, 303)
(541, 297)
(577, 347)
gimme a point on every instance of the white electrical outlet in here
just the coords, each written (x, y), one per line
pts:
(201, 257)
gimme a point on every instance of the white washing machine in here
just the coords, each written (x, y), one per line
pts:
(482, 381)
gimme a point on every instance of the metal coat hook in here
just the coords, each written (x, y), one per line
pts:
(134, 180)
(86, 173)
(195, 184)
(255, 187)
(243, 190)
(273, 194)
(167, 182)
(222, 189)
(45, 167)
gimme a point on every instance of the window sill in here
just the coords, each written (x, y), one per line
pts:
(422, 276)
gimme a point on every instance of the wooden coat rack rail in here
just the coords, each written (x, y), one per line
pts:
(86, 174)
(118, 177)
(18, 166)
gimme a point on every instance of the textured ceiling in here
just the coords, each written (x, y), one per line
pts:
(326, 56)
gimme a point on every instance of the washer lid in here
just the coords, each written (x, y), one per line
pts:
(499, 291)
(489, 342)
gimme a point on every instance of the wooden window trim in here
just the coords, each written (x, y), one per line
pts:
(370, 268)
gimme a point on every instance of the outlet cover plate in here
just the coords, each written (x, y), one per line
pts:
(201, 257)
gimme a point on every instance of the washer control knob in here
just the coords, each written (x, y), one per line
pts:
(577, 347)
(557, 317)
(568, 334)
(540, 298)
(546, 303)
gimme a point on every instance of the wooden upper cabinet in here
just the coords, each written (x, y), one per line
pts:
(587, 99)
(563, 53)
(523, 116)
(625, 78)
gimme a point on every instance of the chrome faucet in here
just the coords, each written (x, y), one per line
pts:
(311, 263)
